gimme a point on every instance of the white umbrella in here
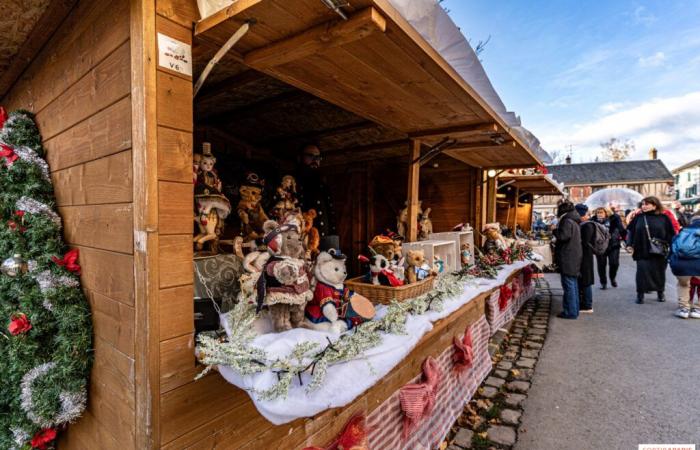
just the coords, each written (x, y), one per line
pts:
(621, 198)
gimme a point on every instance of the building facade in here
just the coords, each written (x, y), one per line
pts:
(648, 177)
(687, 180)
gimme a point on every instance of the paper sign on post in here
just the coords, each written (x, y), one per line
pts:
(174, 55)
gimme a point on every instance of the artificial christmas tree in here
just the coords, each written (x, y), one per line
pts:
(46, 342)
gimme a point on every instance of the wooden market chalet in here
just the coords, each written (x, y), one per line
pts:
(397, 122)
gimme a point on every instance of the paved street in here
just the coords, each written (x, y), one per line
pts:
(625, 375)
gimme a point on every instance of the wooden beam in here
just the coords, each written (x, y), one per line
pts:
(317, 39)
(228, 116)
(517, 204)
(318, 135)
(413, 191)
(509, 145)
(456, 132)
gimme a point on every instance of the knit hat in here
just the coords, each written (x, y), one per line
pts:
(581, 209)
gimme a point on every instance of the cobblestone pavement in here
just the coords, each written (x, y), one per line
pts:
(492, 418)
(625, 375)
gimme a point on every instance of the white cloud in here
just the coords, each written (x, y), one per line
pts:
(611, 107)
(642, 16)
(670, 124)
(655, 60)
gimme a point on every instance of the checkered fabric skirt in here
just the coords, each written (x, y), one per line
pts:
(499, 318)
(455, 390)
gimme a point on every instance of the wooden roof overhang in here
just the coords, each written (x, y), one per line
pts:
(531, 184)
(374, 65)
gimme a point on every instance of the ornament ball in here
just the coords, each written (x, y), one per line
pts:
(13, 266)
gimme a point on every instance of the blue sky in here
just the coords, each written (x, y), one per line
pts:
(581, 72)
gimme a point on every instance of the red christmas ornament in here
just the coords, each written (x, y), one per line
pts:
(3, 117)
(69, 261)
(19, 213)
(43, 438)
(19, 323)
(9, 154)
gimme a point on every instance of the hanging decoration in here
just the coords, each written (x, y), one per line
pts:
(353, 437)
(47, 345)
(418, 399)
(463, 357)
(504, 297)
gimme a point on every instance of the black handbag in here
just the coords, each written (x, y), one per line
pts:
(657, 246)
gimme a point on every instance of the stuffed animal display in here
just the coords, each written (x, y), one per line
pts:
(250, 209)
(283, 284)
(417, 268)
(380, 271)
(334, 308)
(425, 225)
(211, 206)
(495, 242)
(402, 220)
(312, 239)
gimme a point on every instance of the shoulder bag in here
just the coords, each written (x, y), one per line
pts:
(656, 246)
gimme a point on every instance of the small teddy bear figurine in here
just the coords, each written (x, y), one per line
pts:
(418, 269)
(334, 308)
(425, 225)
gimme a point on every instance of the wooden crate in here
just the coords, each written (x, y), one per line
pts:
(460, 238)
(444, 249)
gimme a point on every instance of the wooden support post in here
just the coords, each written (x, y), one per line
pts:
(413, 183)
(515, 215)
(490, 199)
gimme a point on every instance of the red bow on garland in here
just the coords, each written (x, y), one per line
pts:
(43, 438)
(353, 436)
(463, 357)
(9, 154)
(19, 323)
(69, 261)
(505, 296)
(417, 400)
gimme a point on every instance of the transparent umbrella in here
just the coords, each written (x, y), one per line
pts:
(619, 197)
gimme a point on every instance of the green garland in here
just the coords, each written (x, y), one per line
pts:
(238, 353)
(46, 367)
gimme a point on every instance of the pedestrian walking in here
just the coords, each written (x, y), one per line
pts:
(649, 236)
(681, 214)
(568, 254)
(586, 277)
(611, 259)
(685, 265)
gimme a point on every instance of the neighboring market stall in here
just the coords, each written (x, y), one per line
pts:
(516, 194)
(364, 112)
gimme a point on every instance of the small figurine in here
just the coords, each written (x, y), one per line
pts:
(425, 226)
(418, 269)
(335, 308)
(285, 198)
(465, 254)
(312, 239)
(402, 219)
(250, 210)
(438, 264)
(212, 207)
(495, 242)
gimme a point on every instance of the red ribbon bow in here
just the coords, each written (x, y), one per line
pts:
(9, 154)
(503, 298)
(417, 400)
(19, 323)
(463, 357)
(3, 117)
(43, 438)
(69, 261)
(353, 436)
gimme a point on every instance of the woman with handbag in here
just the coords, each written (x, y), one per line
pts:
(649, 235)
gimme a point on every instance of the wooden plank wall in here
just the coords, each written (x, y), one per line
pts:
(79, 87)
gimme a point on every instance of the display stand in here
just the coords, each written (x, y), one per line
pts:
(460, 238)
(446, 250)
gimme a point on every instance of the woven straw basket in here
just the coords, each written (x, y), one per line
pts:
(388, 294)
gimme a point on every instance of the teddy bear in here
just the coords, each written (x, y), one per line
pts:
(425, 225)
(335, 308)
(418, 269)
(250, 210)
(312, 239)
(283, 284)
(495, 242)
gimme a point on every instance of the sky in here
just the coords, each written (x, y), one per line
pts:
(580, 72)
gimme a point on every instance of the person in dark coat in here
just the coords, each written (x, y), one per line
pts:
(568, 254)
(586, 278)
(651, 268)
(611, 258)
(313, 192)
(685, 265)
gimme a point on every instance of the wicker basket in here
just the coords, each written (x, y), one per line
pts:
(388, 294)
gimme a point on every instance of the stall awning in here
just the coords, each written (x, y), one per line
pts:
(376, 65)
(532, 184)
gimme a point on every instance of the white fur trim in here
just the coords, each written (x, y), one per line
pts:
(283, 298)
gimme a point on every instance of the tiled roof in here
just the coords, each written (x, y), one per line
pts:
(611, 172)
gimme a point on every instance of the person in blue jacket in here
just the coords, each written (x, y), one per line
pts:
(685, 265)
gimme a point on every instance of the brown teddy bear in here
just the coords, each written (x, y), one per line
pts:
(250, 210)
(312, 239)
(418, 269)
